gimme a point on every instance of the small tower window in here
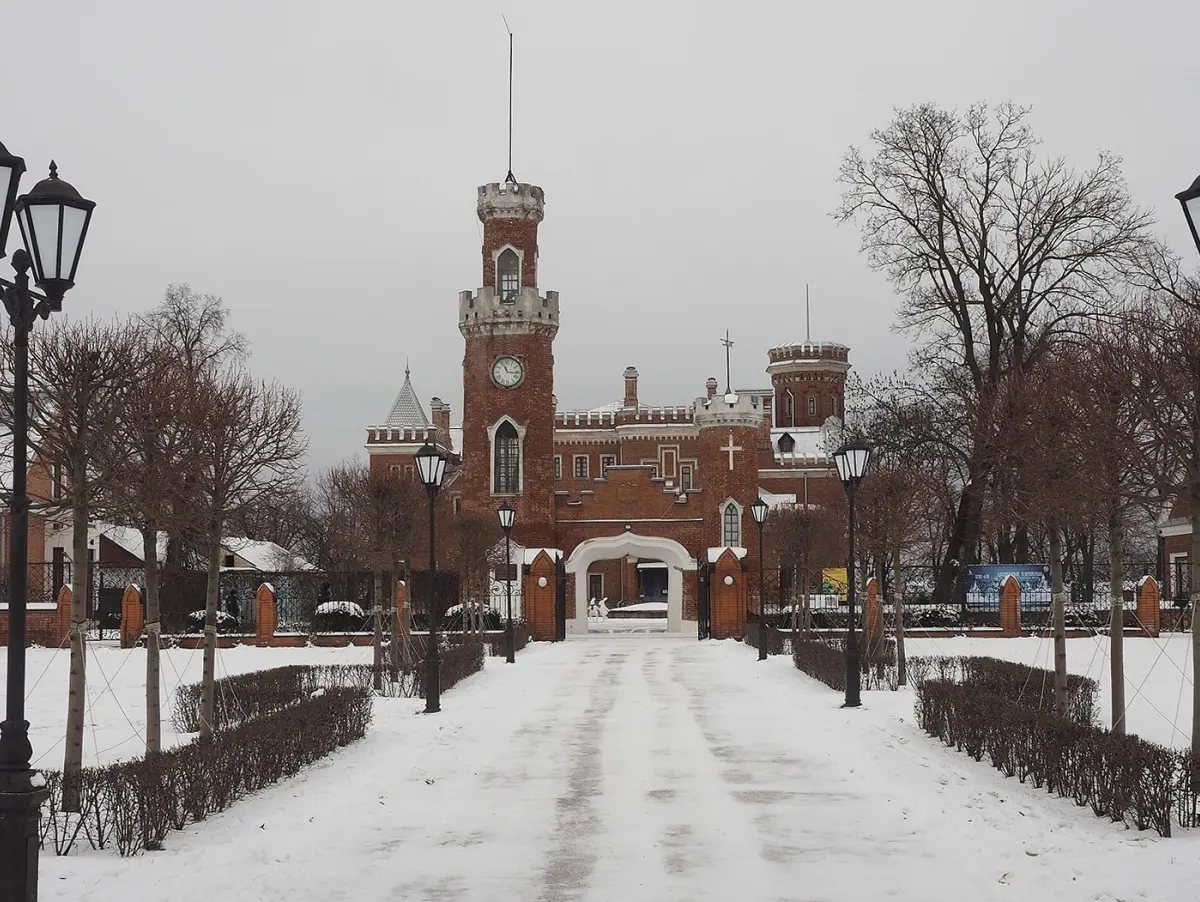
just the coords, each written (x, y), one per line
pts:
(812, 406)
(787, 416)
(731, 525)
(787, 444)
(508, 275)
(507, 452)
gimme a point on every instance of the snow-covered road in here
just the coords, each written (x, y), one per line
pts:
(628, 768)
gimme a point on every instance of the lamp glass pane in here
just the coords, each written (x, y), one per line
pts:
(425, 468)
(858, 461)
(72, 227)
(759, 510)
(43, 221)
(1193, 211)
(439, 470)
(840, 459)
(7, 175)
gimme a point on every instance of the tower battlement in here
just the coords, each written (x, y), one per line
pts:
(732, 410)
(527, 311)
(810, 351)
(511, 200)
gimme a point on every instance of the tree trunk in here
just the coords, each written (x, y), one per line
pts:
(898, 605)
(211, 597)
(1116, 589)
(77, 687)
(1059, 604)
(153, 629)
(960, 549)
(377, 612)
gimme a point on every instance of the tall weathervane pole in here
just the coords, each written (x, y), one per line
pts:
(728, 344)
(509, 177)
(807, 317)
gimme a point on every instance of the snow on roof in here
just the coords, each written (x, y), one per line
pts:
(774, 501)
(406, 409)
(265, 555)
(714, 553)
(456, 439)
(613, 407)
(130, 539)
(530, 553)
(810, 441)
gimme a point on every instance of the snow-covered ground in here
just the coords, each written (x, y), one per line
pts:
(1158, 676)
(115, 722)
(650, 768)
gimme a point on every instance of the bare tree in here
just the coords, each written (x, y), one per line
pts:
(83, 371)
(251, 449)
(155, 458)
(803, 538)
(998, 255)
(474, 542)
(196, 328)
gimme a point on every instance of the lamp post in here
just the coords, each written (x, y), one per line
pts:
(431, 468)
(507, 516)
(758, 510)
(54, 220)
(1190, 201)
(851, 460)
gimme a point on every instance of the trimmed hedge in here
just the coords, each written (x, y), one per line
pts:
(134, 804)
(1031, 687)
(1004, 711)
(825, 660)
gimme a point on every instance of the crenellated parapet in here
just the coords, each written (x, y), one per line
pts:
(483, 312)
(730, 411)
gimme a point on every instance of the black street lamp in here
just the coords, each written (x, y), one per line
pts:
(1190, 201)
(851, 460)
(431, 468)
(758, 510)
(54, 221)
(507, 515)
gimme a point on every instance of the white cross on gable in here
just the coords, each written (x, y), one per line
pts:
(731, 447)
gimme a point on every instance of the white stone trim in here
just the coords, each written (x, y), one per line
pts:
(496, 252)
(491, 433)
(721, 508)
(1175, 529)
(607, 548)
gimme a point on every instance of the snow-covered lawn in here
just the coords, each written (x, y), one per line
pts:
(115, 724)
(650, 768)
(1158, 676)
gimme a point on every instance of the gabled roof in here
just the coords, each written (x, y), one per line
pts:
(406, 410)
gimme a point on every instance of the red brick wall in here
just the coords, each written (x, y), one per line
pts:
(520, 233)
(531, 405)
(828, 389)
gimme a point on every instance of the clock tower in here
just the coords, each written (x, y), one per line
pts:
(508, 369)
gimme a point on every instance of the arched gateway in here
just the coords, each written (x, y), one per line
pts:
(674, 555)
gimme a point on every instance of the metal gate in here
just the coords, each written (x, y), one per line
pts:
(560, 599)
(703, 600)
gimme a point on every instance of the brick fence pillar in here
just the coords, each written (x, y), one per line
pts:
(401, 605)
(1010, 607)
(132, 617)
(265, 614)
(1148, 596)
(64, 614)
(872, 619)
(728, 598)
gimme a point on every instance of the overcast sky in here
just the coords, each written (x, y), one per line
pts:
(315, 164)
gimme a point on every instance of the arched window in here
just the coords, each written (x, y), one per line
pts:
(506, 451)
(508, 275)
(787, 444)
(812, 406)
(789, 409)
(731, 525)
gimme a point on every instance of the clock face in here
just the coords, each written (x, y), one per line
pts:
(507, 371)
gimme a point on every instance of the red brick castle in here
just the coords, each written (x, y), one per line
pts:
(635, 497)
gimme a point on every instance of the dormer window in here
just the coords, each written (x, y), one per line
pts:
(508, 275)
(787, 444)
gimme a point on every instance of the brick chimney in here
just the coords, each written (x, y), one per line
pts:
(441, 419)
(631, 377)
(711, 387)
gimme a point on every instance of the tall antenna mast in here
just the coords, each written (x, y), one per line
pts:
(807, 317)
(728, 344)
(509, 177)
